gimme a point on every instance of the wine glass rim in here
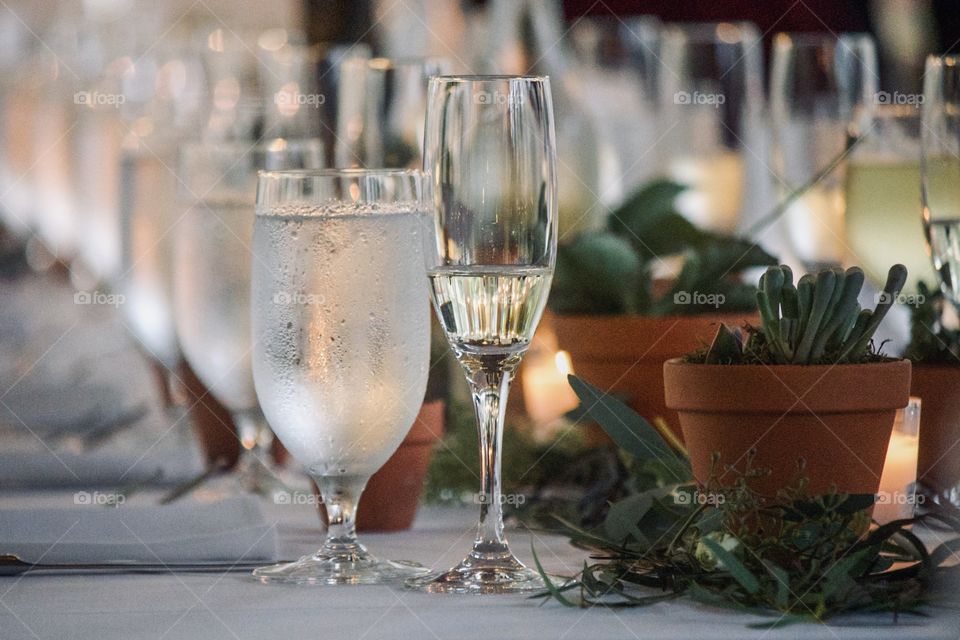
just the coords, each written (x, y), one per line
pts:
(339, 173)
(386, 63)
(719, 32)
(244, 147)
(821, 37)
(489, 78)
(944, 59)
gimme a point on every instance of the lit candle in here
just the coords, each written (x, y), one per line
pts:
(896, 497)
(546, 393)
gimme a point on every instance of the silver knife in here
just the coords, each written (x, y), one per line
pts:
(12, 565)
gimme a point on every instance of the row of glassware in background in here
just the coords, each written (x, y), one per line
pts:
(636, 99)
(113, 131)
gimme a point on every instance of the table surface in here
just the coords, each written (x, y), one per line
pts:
(232, 606)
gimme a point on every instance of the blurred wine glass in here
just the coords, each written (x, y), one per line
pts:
(819, 84)
(617, 62)
(301, 85)
(381, 107)
(167, 90)
(53, 206)
(19, 112)
(882, 196)
(941, 169)
(711, 103)
(212, 266)
(17, 57)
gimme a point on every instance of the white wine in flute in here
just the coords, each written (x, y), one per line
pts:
(343, 323)
(490, 309)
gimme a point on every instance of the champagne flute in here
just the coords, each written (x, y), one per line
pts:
(489, 151)
(819, 83)
(341, 342)
(213, 254)
(940, 183)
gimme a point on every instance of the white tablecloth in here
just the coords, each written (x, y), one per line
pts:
(231, 606)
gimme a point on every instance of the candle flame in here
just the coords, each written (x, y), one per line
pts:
(564, 364)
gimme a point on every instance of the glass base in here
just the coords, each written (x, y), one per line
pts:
(254, 474)
(325, 568)
(482, 573)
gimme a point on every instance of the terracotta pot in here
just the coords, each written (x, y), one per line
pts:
(938, 387)
(838, 419)
(389, 503)
(625, 354)
(212, 423)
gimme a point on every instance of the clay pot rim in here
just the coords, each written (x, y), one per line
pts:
(890, 363)
(841, 388)
(939, 366)
(733, 318)
(627, 339)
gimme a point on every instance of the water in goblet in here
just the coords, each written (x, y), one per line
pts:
(340, 360)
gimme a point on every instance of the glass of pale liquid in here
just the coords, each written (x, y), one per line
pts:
(341, 342)
(490, 154)
(819, 83)
(882, 196)
(213, 255)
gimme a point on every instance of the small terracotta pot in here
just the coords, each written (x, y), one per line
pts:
(837, 418)
(938, 387)
(625, 354)
(389, 503)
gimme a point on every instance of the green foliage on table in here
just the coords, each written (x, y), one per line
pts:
(800, 559)
(816, 321)
(931, 342)
(454, 473)
(611, 271)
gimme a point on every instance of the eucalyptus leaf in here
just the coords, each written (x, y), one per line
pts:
(623, 516)
(624, 426)
(733, 566)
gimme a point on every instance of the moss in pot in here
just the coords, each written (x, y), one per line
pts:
(806, 389)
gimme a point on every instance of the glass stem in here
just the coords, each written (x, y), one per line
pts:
(255, 435)
(489, 378)
(341, 495)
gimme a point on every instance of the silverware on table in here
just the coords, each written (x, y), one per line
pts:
(12, 565)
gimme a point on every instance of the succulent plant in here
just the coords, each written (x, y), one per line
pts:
(817, 320)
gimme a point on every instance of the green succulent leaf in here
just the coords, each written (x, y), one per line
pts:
(726, 347)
